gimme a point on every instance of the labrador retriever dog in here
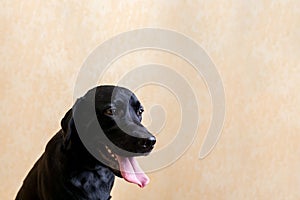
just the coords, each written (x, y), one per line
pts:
(100, 137)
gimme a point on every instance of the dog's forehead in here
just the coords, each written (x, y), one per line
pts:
(123, 95)
(115, 94)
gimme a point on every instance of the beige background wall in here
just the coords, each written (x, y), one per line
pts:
(254, 44)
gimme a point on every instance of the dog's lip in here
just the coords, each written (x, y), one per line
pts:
(129, 155)
(113, 155)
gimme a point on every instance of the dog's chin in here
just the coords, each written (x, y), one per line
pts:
(125, 165)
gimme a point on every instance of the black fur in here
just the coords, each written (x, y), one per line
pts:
(67, 170)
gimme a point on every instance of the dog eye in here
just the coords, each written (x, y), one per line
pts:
(140, 111)
(110, 111)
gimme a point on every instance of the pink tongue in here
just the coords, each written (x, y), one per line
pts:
(132, 172)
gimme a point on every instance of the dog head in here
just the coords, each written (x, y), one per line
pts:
(107, 119)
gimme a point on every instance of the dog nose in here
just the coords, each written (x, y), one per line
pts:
(147, 143)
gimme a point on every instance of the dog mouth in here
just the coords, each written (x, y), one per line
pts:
(128, 168)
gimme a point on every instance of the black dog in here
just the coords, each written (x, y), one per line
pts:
(100, 137)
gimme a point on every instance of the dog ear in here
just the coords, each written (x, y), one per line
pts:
(83, 113)
(67, 124)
